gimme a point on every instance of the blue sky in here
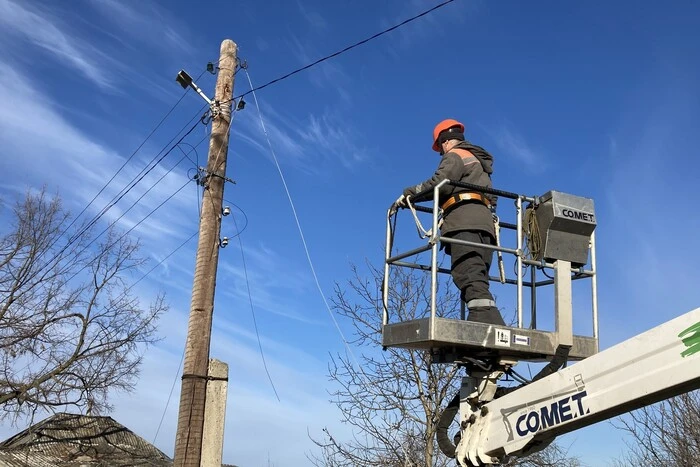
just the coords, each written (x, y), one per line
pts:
(599, 99)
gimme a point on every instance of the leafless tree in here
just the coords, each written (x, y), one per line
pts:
(553, 455)
(70, 329)
(393, 399)
(667, 433)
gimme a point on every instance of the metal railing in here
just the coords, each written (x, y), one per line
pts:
(434, 240)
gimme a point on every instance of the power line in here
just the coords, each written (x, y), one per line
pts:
(301, 232)
(143, 195)
(140, 176)
(172, 388)
(252, 312)
(121, 195)
(342, 51)
(83, 230)
(245, 217)
(138, 148)
(131, 229)
(147, 215)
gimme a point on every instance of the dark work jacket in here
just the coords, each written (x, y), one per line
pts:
(472, 165)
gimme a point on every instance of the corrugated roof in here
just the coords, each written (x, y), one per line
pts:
(69, 440)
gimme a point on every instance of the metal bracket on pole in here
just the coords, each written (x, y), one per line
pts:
(185, 80)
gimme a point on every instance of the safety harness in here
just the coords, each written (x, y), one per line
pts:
(465, 196)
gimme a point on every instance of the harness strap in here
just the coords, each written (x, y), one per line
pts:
(464, 197)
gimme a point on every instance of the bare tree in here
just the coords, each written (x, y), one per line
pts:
(553, 455)
(667, 433)
(70, 330)
(393, 399)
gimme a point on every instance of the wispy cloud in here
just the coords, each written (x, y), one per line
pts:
(45, 147)
(147, 22)
(270, 277)
(513, 145)
(435, 23)
(326, 75)
(333, 136)
(312, 143)
(47, 32)
(312, 17)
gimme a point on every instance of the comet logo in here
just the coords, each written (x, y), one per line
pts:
(691, 339)
(557, 412)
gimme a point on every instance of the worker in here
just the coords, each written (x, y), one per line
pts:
(467, 215)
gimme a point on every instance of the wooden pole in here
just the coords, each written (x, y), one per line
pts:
(190, 423)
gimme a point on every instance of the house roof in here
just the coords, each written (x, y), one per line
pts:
(70, 440)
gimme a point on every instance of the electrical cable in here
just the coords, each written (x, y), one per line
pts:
(245, 216)
(187, 154)
(139, 177)
(252, 312)
(138, 148)
(132, 228)
(143, 195)
(172, 388)
(84, 229)
(170, 395)
(301, 232)
(346, 49)
(136, 202)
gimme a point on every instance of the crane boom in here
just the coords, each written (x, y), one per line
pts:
(657, 364)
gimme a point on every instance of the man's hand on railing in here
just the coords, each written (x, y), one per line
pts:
(401, 202)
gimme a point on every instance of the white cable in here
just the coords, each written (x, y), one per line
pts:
(422, 233)
(499, 253)
(301, 232)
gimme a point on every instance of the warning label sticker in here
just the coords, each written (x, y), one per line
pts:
(502, 337)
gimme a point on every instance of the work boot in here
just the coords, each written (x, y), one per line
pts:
(488, 315)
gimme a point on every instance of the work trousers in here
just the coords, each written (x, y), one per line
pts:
(470, 273)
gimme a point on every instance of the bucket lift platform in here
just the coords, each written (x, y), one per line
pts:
(566, 226)
(497, 422)
(451, 340)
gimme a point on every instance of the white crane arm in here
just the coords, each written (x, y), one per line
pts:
(660, 363)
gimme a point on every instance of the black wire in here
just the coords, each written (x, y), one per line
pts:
(172, 388)
(149, 214)
(187, 154)
(252, 311)
(134, 203)
(350, 47)
(104, 210)
(135, 181)
(130, 230)
(138, 148)
(245, 216)
(158, 125)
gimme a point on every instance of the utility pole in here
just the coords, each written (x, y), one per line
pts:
(190, 423)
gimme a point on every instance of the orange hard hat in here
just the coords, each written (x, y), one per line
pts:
(442, 126)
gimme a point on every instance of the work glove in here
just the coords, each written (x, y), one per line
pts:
(401, 202)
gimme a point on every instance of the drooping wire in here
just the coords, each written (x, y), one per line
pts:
(301, 232)
(170, 395)
(182, 358)
(193, 149)
(252, 311)
(245, 216)
(350, 47)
